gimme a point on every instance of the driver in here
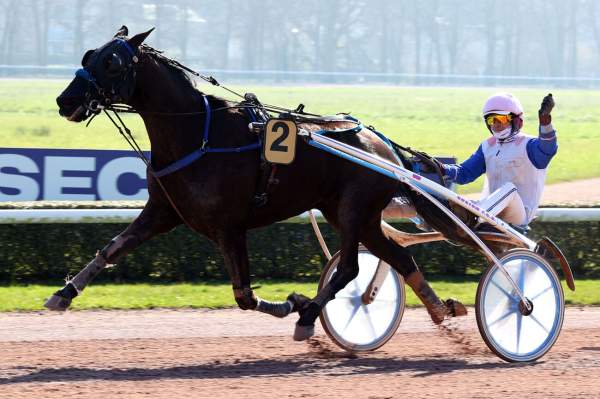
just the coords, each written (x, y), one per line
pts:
(514, 163)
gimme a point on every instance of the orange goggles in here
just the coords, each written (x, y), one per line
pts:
(502, 119)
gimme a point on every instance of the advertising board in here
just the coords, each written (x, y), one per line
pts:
(31, 174)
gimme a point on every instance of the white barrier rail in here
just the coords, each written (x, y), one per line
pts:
(32, 216)
(12, 216)
(568, 215)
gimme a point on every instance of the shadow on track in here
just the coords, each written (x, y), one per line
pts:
(290, 366)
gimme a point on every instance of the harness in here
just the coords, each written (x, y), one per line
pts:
(205, 149)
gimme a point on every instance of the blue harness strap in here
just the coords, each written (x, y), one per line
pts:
(197, 154)
(125, 44)
(250, 113)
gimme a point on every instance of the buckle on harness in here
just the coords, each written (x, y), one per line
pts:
(256, 127)
(204, 144)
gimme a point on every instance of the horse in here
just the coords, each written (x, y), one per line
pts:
(214, 191)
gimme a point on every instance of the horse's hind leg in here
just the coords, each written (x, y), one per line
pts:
(153, 220)
(384, 247)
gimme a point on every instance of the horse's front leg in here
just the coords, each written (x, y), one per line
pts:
(235, 254)
(153, 220)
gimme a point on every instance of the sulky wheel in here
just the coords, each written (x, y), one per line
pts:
(348, 320)
(509, 329)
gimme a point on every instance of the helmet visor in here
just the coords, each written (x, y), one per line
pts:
(493, 118)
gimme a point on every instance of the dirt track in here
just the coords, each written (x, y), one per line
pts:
(231, 353)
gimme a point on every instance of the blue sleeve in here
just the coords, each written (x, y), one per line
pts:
(541, 150)
(467, 171)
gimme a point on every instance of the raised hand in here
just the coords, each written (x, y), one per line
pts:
(545, 110)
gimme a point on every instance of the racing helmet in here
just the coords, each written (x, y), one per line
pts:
(504, 104)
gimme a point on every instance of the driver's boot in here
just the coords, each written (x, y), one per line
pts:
(437, 309)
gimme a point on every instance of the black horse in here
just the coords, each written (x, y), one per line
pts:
(214, 195)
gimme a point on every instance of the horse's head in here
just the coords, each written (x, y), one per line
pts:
(107, 77)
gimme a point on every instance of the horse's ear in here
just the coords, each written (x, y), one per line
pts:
(123, 31)
(138, 39)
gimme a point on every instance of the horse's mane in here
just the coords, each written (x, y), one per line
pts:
(172, 65)
(177, 69)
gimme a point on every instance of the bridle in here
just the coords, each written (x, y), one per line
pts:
(113, 84)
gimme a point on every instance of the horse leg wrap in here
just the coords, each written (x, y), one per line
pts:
(277, 309)
(61, 299)
(305, 326)
(294, 303)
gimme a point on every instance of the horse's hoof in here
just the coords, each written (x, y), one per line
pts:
(61, 300)
(57, 302)
(302, 333)
(455, 308)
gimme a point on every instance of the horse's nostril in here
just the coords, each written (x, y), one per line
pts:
(63, 102)
(67, 105)
(67, 102)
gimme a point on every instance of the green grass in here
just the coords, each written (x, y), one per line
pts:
(219, 295)
(441, 121)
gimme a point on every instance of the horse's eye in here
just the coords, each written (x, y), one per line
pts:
(86, 57)
(113, 64)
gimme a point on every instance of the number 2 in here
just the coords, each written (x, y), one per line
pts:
(276, 146)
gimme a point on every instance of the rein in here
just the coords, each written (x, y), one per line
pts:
(134, 145)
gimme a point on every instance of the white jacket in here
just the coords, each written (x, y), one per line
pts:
(509, 162)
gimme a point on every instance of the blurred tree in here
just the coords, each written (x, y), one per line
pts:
(184, 31)
(571, 54)
(10, 12)
(552, 30)
(593, 22)
(538, 37)
(454, 25)
(79, 21)
(491, 23)
(417, 12)
(41, 16)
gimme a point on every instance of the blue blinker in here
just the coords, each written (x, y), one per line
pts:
(84, 74)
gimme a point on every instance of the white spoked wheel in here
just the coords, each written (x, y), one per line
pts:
(354, 325)
(510, 330)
